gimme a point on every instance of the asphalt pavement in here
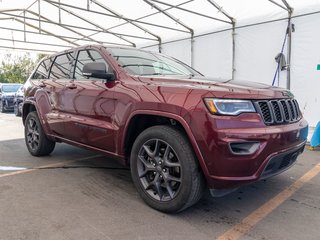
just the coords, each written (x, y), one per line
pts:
(77, 194)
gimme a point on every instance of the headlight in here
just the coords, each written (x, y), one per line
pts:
(228, 106)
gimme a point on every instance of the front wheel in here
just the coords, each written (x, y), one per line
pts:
(2, 109)
(37, 142)
(16, 110)
(164, 169)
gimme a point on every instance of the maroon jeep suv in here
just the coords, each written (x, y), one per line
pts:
(178, 131)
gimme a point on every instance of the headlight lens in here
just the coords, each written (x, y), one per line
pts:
(228, 106)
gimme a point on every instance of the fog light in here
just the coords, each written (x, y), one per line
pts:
(244, 148)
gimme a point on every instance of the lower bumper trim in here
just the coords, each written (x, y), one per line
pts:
(281, 162)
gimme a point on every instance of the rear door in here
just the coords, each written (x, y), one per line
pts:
(90, 105)
(59, 77)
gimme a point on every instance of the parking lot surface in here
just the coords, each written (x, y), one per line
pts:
(78, 194)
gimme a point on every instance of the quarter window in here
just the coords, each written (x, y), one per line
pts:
(43, 70)
(61, 66)
(87, 56)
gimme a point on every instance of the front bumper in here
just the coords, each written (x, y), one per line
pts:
(278, 149)
(282, 161)
(8, 103)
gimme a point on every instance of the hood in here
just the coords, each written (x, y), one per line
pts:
(220, 88)
(8, 94)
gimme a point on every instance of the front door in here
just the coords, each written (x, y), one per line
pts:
(89, 104)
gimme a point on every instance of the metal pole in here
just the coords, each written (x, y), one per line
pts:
(289, 51)
(290, 12)
(39, 16)
(67, 37)
(233, 50)
(233, 22)
(149, 15)
(178, 22)
(50, 33)
(189, 11)
(59, 13)
(120, 36)
(37, 43)
(72, 26)
(130, 22)
(192, 49)
(54, 3)
(279, 5)
(24, 26)
(220, 9)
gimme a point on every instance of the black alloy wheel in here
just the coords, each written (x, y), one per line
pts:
(37, 142)
(165, 170)
(159, 170)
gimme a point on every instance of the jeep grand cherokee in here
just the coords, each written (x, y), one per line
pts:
(178, 131)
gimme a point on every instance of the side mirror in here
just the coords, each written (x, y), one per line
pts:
(97, 70)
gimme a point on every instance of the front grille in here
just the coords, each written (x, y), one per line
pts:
(275, 112)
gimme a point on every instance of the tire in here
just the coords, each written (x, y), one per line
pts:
(16, 110)
(2, 110)
(165, 170)
(37, 142)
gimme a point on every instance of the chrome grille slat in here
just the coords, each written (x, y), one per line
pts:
(280, 111)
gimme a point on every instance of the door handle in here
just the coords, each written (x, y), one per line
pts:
(42, 84)
(71, 86)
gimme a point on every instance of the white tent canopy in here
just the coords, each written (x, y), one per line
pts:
(221, 38)
(66, 23)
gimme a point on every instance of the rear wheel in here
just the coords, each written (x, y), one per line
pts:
(37, 142)
(164, 169)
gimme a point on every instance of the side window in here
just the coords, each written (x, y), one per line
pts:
(61, 66)
(43, 70)
(87, 56)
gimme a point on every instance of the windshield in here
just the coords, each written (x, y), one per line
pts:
(143, 63)
(10, 88)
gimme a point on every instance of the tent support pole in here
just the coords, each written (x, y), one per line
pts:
(233, 49)
(289, 51)
(192, 49)
(233, 22)
(177, 22)
(290, 12)
(59, 13)
(39, 11)
(130, 22)
(24, 26)
(55, 3)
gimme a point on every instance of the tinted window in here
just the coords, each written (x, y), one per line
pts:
(138, 62)
(10, 88)
(61, 66)
(87, 56)
(43, 70)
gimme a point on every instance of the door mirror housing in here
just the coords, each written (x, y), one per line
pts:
(97, 70)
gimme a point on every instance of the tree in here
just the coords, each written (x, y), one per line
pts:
(16, 69)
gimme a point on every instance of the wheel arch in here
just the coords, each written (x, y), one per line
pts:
(132, 130)
(28, 106)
